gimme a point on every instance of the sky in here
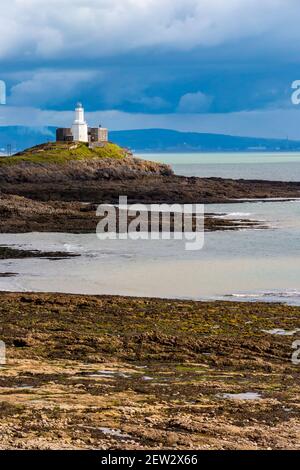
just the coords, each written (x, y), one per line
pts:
(194, 65)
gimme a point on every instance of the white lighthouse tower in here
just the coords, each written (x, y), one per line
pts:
(79, 127)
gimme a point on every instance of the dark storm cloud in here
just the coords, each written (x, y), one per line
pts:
(159, 57)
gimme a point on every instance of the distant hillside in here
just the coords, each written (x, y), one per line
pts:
(151, 140)
(20, 138)
(162, 140)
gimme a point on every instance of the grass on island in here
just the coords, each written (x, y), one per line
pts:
(62, 152)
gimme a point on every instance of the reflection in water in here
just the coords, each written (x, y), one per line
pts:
(245, 265)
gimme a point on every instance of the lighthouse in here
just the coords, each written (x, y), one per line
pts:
(79, 127)
(80, 132)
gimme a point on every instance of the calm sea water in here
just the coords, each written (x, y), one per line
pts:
(269, 166)
(244, 265)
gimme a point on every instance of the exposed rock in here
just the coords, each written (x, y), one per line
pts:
(76, 379)
(20, 214)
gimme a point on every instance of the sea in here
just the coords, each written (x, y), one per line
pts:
(261, 264)
(269, 166)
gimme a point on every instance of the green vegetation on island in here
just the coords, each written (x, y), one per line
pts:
(62, 152)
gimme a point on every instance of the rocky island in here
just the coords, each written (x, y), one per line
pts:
(57, 186)
(74, 172)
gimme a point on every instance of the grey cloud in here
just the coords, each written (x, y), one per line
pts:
(97, 28)
(194, 103)
(48, 87)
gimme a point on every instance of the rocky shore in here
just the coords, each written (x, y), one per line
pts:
(13, 253)
(19, 215)
(152, 189)
(91, 372)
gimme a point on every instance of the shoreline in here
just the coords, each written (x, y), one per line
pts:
(148, 189)
(112, 372)
(238, 299)
(24, 215)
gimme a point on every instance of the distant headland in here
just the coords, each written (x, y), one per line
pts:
(146, 140)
